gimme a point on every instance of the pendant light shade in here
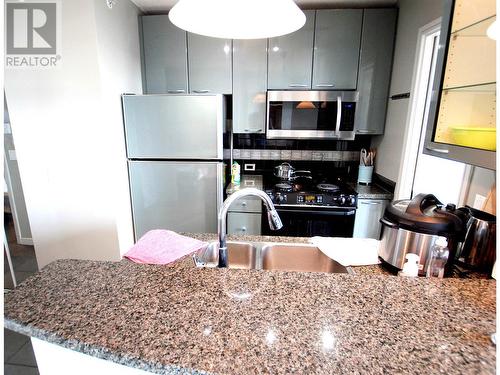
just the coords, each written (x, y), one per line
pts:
(238, 19)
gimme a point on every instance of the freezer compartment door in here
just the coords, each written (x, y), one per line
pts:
(173, 126)
(179, 196)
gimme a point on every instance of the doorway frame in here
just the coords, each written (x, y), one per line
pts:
(415, 116)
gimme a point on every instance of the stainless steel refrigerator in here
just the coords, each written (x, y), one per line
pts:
(174, 151)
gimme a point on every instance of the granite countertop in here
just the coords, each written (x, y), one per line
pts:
(178, 319)
(371, 191)
(247, 180)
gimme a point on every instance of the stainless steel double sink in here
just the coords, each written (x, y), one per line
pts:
(270, 256)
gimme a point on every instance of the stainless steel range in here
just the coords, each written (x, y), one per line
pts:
(314, 207)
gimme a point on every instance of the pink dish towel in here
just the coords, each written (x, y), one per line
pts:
(160, 246)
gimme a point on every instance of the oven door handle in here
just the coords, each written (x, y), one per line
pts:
(348, 212)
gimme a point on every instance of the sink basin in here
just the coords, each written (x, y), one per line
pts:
(270, 256)
(298, 258)
(240, 255)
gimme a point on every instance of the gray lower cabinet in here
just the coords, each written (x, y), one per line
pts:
(375, 65)
(290, 58)
(244, 223)
(367, 223)
(165, 56)
(336, 49)
(249, 85)
(244, 216)
(209, 63)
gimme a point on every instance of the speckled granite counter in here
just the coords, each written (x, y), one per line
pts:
(177, 319)
(371, 191)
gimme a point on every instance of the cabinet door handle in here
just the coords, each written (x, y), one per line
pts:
(243, 204)
(440, 150)
(243, 229)
(371, 203)
(297, 85)
(365, 131)
(176, 91)
(325, 85)
(256, 130)
(201, 91)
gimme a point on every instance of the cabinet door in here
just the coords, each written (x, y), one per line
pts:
(243, 223)
(246, 204)
(249, 85)
(290, 58)
(375, 63)
(336, 49)
(209, 65)
(368, 215)
(165, 56)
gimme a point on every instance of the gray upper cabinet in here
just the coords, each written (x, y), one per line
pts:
(209, 64)
(249, 85)
(336, 49)
(375, 65)
(165, 56)
(290, 58)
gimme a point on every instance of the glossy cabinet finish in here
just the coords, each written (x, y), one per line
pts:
(176, 195)
(336, 49)
(165, 56)
(375, 66)
(209, 63)
(168, 126)
(290, 58)
(367, 223)
(246, 204)
(461, 124)
(244, 223)
(249, 85)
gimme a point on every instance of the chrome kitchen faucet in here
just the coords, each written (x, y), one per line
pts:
(272, 216)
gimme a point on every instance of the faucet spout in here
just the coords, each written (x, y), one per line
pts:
(272, 216)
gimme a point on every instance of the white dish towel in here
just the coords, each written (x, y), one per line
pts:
(349, 251)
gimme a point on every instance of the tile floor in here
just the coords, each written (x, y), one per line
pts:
(18, 353)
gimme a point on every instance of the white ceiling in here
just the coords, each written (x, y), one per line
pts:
(162, 6)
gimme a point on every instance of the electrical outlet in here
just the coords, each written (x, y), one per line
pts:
(249, 167)
(479, 201)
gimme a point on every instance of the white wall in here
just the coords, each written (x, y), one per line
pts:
(69, 134)
(120, 72)
(481, 182)
(412, 16)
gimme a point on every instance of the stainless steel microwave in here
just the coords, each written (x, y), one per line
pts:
(311, 114)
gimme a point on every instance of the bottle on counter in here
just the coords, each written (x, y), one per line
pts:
(410, 268)
(438, 259)
(235, 173)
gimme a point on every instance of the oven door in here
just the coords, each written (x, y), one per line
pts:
(313, 221)
(311, 114)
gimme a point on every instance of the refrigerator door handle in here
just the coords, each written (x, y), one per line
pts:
(221, 110)
(220, 185)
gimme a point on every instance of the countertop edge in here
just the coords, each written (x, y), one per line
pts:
(98, 351)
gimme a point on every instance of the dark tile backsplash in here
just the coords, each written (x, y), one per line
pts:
(259, 141)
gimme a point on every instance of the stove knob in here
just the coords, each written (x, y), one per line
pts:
(353, 201)
(342, 200)
(279, 198)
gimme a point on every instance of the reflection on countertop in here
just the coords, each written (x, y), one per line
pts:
(248, 180)
(179, 319)
(371, 191)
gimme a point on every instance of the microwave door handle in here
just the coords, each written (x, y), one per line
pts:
(339, 115)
